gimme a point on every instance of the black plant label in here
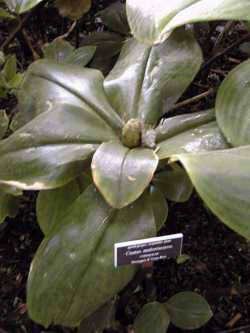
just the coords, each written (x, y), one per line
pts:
(147, 250)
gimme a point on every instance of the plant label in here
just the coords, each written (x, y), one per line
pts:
(147, 250)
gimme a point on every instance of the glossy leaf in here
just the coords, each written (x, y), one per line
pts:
(153, 22)
(4, 123)
(152, 77)
(153, 317)
(99, 320)
(9, 69)
(53, 148)
(222, 180)
(65, 83)
(114, 17)
(159, 206)
(82, 56)
(73, 9)
(232, 105)
(203, 138)
(62, 52)
(188, 310)
(58, 50)
(8, 206)
(77, 263)
(108, 46)
(122, 174)
(52, 205)
(174, 183)
(172, 126)
(21, 6)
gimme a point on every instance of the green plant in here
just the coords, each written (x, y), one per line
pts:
(186, 310)
(77, 119)
(110, 41)
(21, 6)
(10, 79)
(8, 195)
(153, 22)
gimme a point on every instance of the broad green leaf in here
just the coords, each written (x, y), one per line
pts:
(62, 52)
(122, 174)
(188, 310)
(146, 79)
(74, 9)
(77, 262)
(81, 56)
(114, 17)
(52, 205)
(108, 46)
(153, 317)
(58, 50)
(65, 83)
(100, 319)
(9, 69)
(21, 6)
(232, 105)
(8, 206)
(222, 179)
(153, 22)
(52, 149)
(105, 42)
(172, 126)
(159, 206)
(174, 183)
(4, 123)
(203, 138)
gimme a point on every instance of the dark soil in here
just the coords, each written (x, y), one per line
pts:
(219, 264)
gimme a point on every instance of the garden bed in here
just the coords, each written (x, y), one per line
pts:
(218, 260)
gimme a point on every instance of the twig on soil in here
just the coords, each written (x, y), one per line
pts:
(66, 35)
(193, 99)
(28, 41)
(234, 320)
(229, 48)
(219, 39)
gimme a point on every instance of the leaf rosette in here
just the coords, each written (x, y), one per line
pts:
(74, 120)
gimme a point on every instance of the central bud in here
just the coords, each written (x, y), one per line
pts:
(131, 133)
